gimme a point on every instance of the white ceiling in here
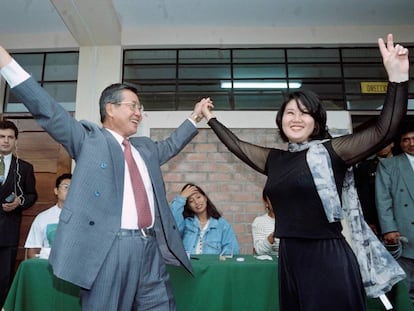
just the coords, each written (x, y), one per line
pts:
(129, 22)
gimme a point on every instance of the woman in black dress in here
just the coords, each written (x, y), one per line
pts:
(317, 268)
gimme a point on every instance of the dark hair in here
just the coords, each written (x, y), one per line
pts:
(61, 178)
(406, 127)
(9, 125)
(113, 94)
(264, 195)
(211, 208)
(313, 107)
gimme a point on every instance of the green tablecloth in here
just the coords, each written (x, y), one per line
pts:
(249, 285)
(226, 285)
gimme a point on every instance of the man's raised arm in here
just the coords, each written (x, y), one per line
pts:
(11, 70)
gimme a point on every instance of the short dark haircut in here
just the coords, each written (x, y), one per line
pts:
(406, 127)
(61, 178)
(313, 107)
(9, 125)
(113, 94)
(211, 208)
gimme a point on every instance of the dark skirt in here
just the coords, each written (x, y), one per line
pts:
(319, 275)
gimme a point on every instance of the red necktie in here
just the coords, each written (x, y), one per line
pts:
(141, 199)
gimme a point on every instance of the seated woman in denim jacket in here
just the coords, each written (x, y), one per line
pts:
(202, 228)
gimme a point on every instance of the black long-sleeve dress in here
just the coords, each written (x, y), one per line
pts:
(317, 268)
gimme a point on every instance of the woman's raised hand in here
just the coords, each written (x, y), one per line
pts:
(395, 59)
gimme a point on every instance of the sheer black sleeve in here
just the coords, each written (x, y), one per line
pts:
(358, 146)
(253, 155)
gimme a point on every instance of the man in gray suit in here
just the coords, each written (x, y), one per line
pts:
(394, 187)
(98, 244)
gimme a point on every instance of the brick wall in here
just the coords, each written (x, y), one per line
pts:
(233, 187)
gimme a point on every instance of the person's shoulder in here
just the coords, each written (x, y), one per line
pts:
(394, 159)
(260, 218)
(221, 222)
(51, 210)
(22, 162)
(90, 125)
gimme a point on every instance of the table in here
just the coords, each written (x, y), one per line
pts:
(218, 285)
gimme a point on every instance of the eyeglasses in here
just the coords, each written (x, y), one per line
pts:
(133, 106)
(64, 186)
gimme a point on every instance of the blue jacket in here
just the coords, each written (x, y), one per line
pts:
(218, 239)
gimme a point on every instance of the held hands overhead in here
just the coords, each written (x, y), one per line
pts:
(395, 59)
(202, 110)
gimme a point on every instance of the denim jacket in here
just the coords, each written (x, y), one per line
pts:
(219, 237)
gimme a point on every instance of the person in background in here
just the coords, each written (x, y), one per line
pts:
(43, 229)
(202, 228)
(263, 231)
(394, 185)
(364, 173)
(318, 270)
(116, 232)
(17, 193)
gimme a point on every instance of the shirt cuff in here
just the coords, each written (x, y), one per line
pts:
(192, 121)
(14, 74)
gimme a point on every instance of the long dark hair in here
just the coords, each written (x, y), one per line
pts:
(211, 208)
(313, 107)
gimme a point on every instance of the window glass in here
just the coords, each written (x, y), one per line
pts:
(259, 71)
(364, 102)
(200, 71)
(251, 56)
(204, 56)
(63, 92)
(313, 55)
(376, 71)
(61, 67)
(32, 63)
(144, 72)
(264, 100)
(365, 55)
(56, 72)
(150, 57)
(314, 70)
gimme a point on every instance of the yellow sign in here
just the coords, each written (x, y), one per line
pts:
(374, 87)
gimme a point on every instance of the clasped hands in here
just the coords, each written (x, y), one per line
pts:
(202, 110)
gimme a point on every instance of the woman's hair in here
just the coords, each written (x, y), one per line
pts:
(313, 107)
(265, 199)
(211, 208)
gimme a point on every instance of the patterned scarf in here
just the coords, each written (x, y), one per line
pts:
(379, 270)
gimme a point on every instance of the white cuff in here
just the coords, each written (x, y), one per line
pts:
(14, 74)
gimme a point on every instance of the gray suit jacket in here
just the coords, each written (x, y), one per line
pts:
(394, 188)
(91, 216)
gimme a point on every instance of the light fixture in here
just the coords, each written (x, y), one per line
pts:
(260, 85)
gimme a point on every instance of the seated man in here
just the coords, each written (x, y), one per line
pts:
(263, 228)
(43, 228)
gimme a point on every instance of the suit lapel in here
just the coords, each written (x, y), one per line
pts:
(407, 174)
(117, 160)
